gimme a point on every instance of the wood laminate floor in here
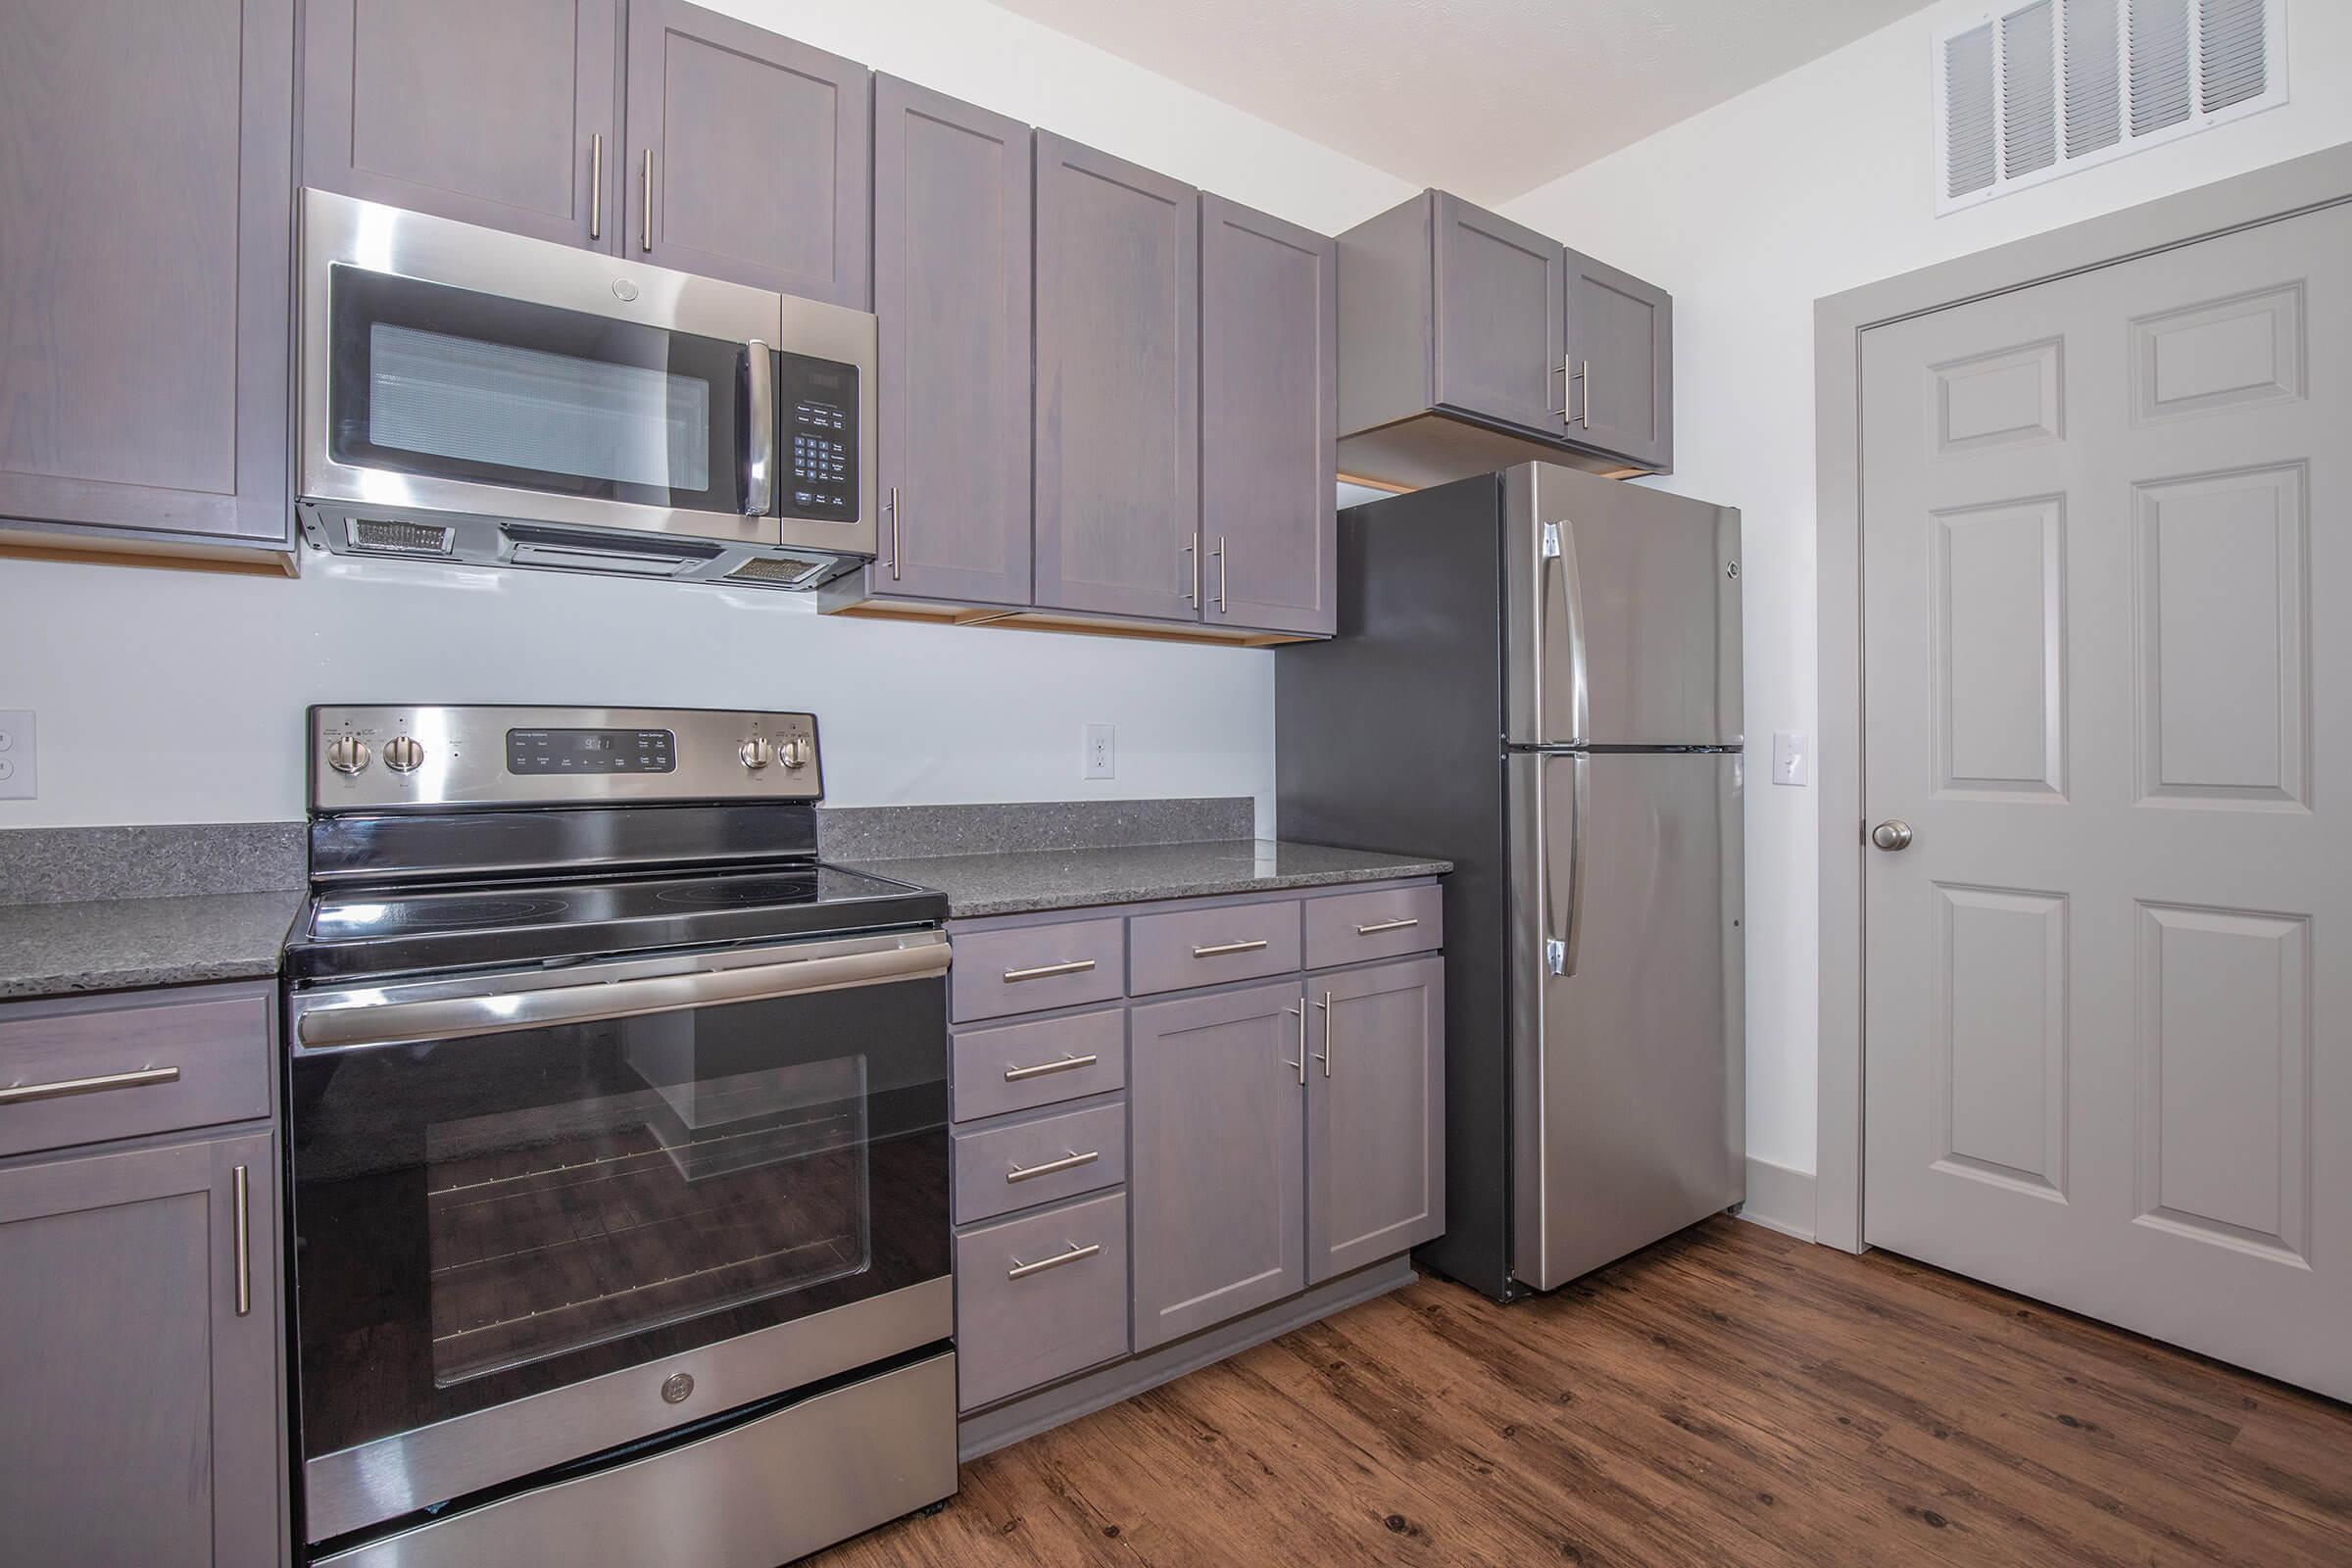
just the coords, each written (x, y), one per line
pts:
(1729, 1397)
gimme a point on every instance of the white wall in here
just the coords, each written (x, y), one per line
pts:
(1814, 183)
(167, 696)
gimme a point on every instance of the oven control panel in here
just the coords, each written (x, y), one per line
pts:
(816, 405)
(389, 758)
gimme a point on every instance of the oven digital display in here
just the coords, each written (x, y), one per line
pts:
(591, 750)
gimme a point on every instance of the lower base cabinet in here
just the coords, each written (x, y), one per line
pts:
(1375, 1114)
(1039, 1296)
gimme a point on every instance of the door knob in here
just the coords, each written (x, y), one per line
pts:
(1892, 834)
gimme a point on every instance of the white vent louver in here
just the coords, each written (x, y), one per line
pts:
(2034, 91)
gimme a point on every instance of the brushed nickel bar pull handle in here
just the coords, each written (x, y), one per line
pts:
(1586, 417)
(1570, 412)
(1014, 1075)
(1045, 971)
(64, 1088)
(1300, 1064)
(244, 1244)
(1378, 926)
(1221, 573)
(596, 186)
(894, 533)
(1221, 949)
(645, 198)
(1071, 1161)
(1021, 1270)
(1192, 575)
(1566, 390)
(1330, 1032)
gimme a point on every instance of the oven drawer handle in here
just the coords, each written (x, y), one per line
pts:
(1046, 971)
(1021, 1271)
(1069, 1161)
(1221, 949)
(1014, 1075)
(452, 1017)
(60, 1088)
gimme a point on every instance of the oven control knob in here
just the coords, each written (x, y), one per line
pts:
(794, 752)
(754, 754)
(347, 753)
(403, 755)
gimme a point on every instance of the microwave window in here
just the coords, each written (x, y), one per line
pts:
(526, 408)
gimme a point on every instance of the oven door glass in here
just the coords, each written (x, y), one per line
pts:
(482, 1218)
(454, 385)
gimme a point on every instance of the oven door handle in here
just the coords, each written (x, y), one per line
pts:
(400, 1023)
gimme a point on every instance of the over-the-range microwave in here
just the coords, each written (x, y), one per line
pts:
(476, 396)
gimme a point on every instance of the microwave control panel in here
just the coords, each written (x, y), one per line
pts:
(816, 404)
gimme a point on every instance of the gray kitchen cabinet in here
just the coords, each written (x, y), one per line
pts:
(1498, 293)
(144, 236)
(952, 297)
(1269, 376)
(1620, 363)
(139, 1339)
(1375, 1108)
(504, 114)
(1117, 386)
(1217, 1168)
(748, 154)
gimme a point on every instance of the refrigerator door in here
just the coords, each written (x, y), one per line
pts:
(1628, 1082)
(1621, 613)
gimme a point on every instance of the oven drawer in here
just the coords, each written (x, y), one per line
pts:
(1037, 967)
(773, 1489)
(80, 1071)
(1039, 1061)
(1188, 948)
(1039, 1296)
(1384, 923)
(1040, 1161)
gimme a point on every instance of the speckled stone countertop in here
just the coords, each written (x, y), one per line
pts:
(49, 950)
(1023, 882)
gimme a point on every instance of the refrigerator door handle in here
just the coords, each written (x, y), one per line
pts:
(1559, 951)
(1559, 565)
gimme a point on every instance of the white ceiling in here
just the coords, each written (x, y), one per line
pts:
(1488, 98)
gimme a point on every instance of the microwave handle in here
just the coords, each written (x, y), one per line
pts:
(760, 413)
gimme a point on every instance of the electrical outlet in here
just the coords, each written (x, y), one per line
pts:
(18, 780)
(1102, 751)
(1792, 757)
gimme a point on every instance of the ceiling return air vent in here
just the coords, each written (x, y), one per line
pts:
(2029, 92)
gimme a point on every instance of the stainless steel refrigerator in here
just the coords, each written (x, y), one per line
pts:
(1537, 676)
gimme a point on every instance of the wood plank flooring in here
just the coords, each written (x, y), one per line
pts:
(1729, 1397)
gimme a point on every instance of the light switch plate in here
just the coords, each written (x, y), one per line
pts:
(17, 779)
(1792, 757)
(1102, 751)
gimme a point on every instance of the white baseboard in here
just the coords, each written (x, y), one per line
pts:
(1779, 1198)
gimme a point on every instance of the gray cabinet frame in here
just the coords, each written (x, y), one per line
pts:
(1620, 343)
(1375, 1113)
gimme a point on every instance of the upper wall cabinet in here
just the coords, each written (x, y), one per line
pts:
(748, 154)
(1269, 334)
(145, 218)
(1119, 361)
(951, 282)
(1468, 342)
(502, 114)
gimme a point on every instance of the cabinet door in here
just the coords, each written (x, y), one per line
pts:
(1269, 413)
(1375, 1114)
(1500, 348)
(140, 1363)
(497, 115)
(748, 154)
(1215, 1174)
(1118, 364)
(145, 220)
(951, 278)
(1621, 359)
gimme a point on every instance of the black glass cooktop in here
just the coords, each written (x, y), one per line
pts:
(374, 931)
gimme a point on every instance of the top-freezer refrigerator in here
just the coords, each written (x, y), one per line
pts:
(1536, 676)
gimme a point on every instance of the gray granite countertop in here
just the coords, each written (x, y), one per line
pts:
(49, 950)
(1022, 882)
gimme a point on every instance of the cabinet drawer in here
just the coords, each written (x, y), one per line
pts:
(1188, 948)
(1042, 1161)
(1039, 1297)
(1038, 967)
(1039, 1061)
(1383, 923)
(78, 1073)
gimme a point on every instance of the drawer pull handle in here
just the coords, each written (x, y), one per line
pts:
(63, 1088)
(1221, 949)
(1021, 1270)
(1071, 1161)
(1045, 971)
(1014, 1075)
(1378, 926)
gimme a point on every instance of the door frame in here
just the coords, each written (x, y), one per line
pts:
(2268, 195)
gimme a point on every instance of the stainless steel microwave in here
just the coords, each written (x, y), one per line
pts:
(476, 396)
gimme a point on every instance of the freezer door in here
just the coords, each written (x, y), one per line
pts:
(1628, 1084)
(1621, 613)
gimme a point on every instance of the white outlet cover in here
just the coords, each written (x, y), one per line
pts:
(1102, 754)
(17, 779)
(1792, 757)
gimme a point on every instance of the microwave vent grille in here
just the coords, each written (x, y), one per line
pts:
(392, 536)
(776, 571)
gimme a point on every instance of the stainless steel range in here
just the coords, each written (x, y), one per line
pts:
(618, 1146)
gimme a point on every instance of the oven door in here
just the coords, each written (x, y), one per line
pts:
(540, 1214)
